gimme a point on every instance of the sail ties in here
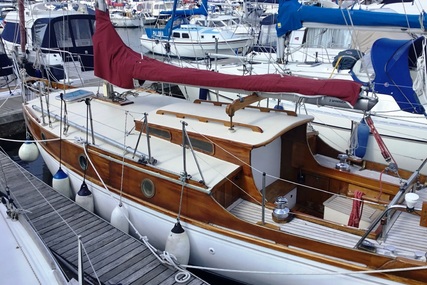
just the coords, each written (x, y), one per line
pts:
(356, 210)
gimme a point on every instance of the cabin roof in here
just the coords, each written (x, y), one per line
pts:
(114, 121)
(207, 119)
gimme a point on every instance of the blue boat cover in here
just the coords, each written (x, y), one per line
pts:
(392, 60)
(5, 61)
(292, 15)
(201, 10)
(178, 17)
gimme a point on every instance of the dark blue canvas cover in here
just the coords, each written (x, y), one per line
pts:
(392, 61)
(292, 15)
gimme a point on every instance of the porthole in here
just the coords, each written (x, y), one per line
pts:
(83, 161)
(147, 188)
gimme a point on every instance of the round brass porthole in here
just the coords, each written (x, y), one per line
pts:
(83, 161)
(147, 188)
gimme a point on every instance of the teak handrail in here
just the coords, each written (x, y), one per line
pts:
(206, 120)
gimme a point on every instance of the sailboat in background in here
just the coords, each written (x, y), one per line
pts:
(122, 18)
(247, 192)
(389, 71)
(55, 41)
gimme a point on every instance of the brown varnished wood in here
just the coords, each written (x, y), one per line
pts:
(204, 210)
(207, 120)
(241, 103)
(423, 214)
(55, 85)
(318, 146)
(262, 109)
(110, 254)
(227, 150)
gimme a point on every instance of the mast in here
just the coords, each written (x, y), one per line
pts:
(22, 31)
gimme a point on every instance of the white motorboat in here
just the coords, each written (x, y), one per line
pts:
(181, 39)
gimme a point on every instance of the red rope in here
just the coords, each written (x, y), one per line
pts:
(383, 148)
(356, 210)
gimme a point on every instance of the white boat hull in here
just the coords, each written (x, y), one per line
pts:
(127, 22)
(25, 260)
(188, 49)
(234, 258)
(335, 125)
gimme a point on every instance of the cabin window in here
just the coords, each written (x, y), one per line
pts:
(38, 34)
(267, 35)
(82, 32)
(221, 24)
(185, 36)
(176, 35)
(2, 50)
(63, 34)
(201, 145)
(83, 161)
(11, 33)
(147, 188)
(328, 38)
(159, 133)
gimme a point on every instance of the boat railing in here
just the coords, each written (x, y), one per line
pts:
(394, 205)
(310, 53)
(72, 64)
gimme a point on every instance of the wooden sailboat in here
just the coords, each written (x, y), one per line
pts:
(261, 201)
(379, 47)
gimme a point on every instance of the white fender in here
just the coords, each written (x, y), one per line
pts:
(85, 198)
(61, 183)
(28, 151)
(119, 218)
(178, 244)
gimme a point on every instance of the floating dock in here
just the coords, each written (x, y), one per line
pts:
(110, 256)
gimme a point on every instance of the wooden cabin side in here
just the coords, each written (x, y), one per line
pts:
(206, 209)
(299, 171)
(144, 184)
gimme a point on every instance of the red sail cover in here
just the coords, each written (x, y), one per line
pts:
(119, 65)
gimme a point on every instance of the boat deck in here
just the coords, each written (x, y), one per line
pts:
(406, 238)
(110, 255)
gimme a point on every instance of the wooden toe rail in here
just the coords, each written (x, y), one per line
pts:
(207, 120)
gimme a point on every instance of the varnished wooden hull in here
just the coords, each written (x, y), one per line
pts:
(218, 238)
(215, 248)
